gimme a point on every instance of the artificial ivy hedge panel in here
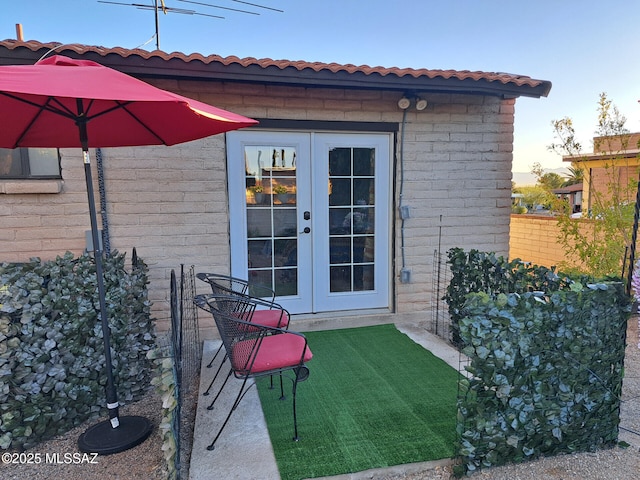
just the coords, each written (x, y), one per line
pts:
(476, 271)
(52, 373)
(545, 368)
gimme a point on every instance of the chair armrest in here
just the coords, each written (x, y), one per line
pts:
(236, 285)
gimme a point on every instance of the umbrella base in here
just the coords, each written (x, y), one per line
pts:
(103, 439)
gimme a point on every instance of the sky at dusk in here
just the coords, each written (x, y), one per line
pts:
(584, 47)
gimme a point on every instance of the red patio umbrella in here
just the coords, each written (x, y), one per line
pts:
(62, 102)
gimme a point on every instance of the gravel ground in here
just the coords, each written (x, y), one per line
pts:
(57, 461)
(145, 462)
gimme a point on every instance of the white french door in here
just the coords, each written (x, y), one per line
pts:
(309, 217)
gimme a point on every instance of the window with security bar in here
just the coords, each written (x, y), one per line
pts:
(30, 163)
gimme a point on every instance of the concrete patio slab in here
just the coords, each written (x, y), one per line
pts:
(244, 450)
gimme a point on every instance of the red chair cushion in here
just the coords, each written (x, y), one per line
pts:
(271, 318)
(275, 352)
(268, 318)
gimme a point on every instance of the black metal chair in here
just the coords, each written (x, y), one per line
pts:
(267, 311)
(255, 350)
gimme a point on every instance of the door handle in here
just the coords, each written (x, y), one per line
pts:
(306, 230)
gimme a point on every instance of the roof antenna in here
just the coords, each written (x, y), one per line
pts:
(53, 50)
(258, 6)
(159, 6)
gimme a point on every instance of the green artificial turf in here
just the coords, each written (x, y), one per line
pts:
(374, 398)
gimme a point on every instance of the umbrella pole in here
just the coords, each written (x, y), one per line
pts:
(112, 396)
(118, 433)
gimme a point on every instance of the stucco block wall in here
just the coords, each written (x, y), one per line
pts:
(601, 179)
(171, 202)
(457, 182)
(534, 239)
(168, 202)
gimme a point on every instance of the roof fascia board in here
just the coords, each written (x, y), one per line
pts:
(272, 75)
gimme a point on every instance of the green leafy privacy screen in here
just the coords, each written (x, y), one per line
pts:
(52, 373)
(546, 357)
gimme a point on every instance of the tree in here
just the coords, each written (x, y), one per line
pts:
(575, 176)
(536, 196)
(599, 247)
(549, 181)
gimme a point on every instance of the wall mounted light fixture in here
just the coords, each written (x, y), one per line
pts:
(405, 102)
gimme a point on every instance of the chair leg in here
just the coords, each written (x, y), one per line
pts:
(224, 359)
(210, 407)
(282, 395)
(302, 373)
(210, 364)
(226, 420)
(295, 416)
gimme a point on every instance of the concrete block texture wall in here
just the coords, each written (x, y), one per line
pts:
(534, 239)
(171, 202)
(456, 165)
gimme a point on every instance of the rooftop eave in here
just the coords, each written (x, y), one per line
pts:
(195, 67)
(635, 153)
(307, 77)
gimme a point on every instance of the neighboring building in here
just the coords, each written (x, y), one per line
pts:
(615, 160)
(516, 199)
(335, 243)
(571, 193)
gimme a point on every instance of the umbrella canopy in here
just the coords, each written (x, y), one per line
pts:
(62, 102)
(43, 104)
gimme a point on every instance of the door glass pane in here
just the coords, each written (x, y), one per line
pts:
(363, 275)
(271, 185)
(339, 221)
(258, 223)
(362, 220)
(363, 190)
(284, 222)
(339, 191)
(363, 249)
(351, 214)
(340, 162)
(259, 253)
(286, 280)
(363, 162)
(285, 253)
(260, 278)
(340, 279)
(340, 250)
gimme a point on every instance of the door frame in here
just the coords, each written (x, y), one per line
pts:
(384, 218)
(236, 141)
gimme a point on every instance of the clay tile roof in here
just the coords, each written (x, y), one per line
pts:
(318, 73)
